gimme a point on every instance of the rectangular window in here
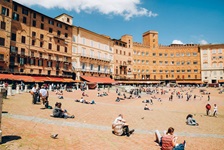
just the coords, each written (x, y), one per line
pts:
(51, 22)
(153, 54)
(2, 41)
(59, 33)
(160, 54)
(66, 35)
(5, 11)
(3, 25)
(25, 11)
(49, 46)
(59, 25)
(1, 57)
(195, 54)
(41, 36)
(33, 42)
(73, 49)
(66, 27)
(195, 62)
(98, 68)
(34, 23)
(58, 47)
(34, 15)
(13, 37)
(23, 39)
(42, 18)
(15, 16)
(220, 51)
(15, 7)
(50, 30)
(24, 20)
(33, 34)
(66, 49)
(41, 44)
(42, 26)
(22, 51)
(171, 55)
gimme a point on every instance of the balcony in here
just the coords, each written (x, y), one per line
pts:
(92, 57)
(212, 68)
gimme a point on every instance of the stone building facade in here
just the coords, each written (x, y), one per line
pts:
(92, 54)
(122, 64)
(165, 63)
(39, 45)
(212, 63)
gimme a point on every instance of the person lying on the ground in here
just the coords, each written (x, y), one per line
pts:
(168, 141)
(148, 101)
(99, 95)
(59, 113)
(105, 94)
(146, 107)
(138, 96)
(84, 94)
(85, 101)
(153, 97)
(120, 127)
(191, 121)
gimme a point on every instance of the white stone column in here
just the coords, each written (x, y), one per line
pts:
(25, 90)
(9, 91)
(50, 88)
(77, 86)
(87, 87)
(37, 86)
(17, 89)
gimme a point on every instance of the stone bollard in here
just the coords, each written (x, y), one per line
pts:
(9, 91)
(17, 89)
(50, 88)
(77, 86)
(25, 90)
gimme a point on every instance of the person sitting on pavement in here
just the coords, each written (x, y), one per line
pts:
(60, 95)
(191, 121)
(105, 94)
(59, 113)
(120, 127)
(130, 97)
(146, 107)
(168, 141)
(117, 99)
(99, 95)
(84, 94)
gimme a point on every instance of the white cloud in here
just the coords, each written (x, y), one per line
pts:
(124, 8)
(177, 42)
(203, 42)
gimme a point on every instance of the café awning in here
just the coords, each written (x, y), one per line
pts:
(104, 80)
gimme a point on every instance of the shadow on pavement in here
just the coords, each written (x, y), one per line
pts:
(9, 138)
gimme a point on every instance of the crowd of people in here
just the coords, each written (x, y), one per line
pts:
(119, 126)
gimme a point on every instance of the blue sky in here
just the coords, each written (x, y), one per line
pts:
(178, 21)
